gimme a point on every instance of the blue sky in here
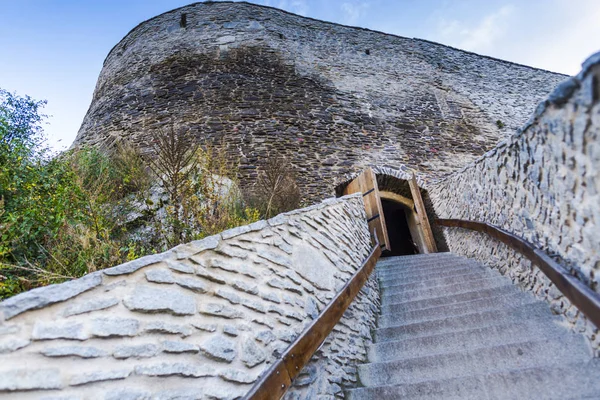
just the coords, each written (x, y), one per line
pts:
(54, 49)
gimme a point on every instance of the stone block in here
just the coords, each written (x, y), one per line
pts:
(99, 376)
(160, 276)
(180, 266)
(149, 299)
(127, 394)
(12, 344)
(252, 354)
(195, 285)
(137, 351)
(229, 296)
(170, 346)
(175, 369)
(168, 328)
(219, 348)
(90, 305)
(30, 379)
(204, 273)
(219, 310)
(265, 337)
(74, 351)
(275, 258)
(237, 376)
(44, 296)
(114, 327)
(59, 330)
(244, 287)
(132, 266)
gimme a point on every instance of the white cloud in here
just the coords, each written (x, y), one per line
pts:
(296, 6)
(480, 37)
(353, 11)
(566, 46)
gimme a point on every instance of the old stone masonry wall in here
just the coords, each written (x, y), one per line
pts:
(333, 99)
(201, 321)
(544, 185)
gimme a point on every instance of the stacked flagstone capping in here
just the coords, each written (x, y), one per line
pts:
(331, 98)
(202, 320)
(543, 184)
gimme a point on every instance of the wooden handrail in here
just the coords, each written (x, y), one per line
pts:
(584, 298)
(275, 382)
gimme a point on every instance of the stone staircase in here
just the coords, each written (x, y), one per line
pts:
(451, 328)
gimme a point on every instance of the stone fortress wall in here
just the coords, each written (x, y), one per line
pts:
(202, 320)
(543, 183)
(333, 99)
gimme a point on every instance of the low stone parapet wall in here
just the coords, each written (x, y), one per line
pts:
(202, 320)
(543, 184)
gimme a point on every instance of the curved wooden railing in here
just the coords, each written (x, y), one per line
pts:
(278, 378)
(584, 298)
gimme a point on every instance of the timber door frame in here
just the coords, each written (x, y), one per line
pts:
(425, 227)
(366, 183)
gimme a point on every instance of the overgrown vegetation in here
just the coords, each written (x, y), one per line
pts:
(276, 189)
(202, 188)
(62, 216)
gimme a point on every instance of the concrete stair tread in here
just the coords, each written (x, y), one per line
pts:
(433, 282)
(457, 288)
(525, 383)
(534, 311)
(394, 314)
(465, 340)
(418, 271)
(418, 258)
(441, 285)
(474, 294)
(493, 359)
(450, 328)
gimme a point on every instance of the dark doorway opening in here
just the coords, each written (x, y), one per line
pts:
(401, 241)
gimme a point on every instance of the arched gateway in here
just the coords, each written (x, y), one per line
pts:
(396, 210)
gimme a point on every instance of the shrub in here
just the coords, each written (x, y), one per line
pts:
(276, 190)
(202, 189)
(64, 216)
(59, 216)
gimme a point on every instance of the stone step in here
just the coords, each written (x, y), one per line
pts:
(416, 258)
(449, 299)
(569, 381)
(415, 275)
(408, 265)
(488, 360)
(469, 273)
(395, 315)
(468, 339)
(536, 311)
(433, 268)
(437, 291)
(397, 285)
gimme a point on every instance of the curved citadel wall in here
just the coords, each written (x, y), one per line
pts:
(332, 98)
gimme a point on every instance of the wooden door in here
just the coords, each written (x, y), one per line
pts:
(366, 183)
(430, 246)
